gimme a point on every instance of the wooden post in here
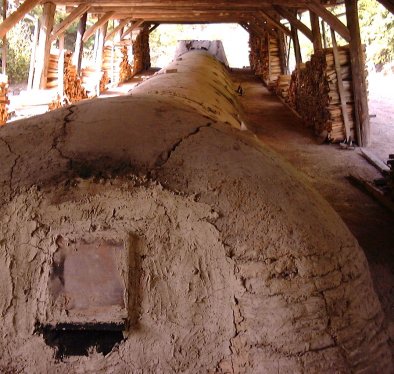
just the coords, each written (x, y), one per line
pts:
(323, 27)
(99, 55)
(33, 55)
(358, 75)
(296, 45)
(282, 52)
(317, 42)
(60, 68)
(44, 46)
(79, 43)
(340, 85)
(4, 51)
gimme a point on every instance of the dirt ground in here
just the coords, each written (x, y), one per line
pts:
(326, 168)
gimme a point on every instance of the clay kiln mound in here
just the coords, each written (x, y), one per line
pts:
(234, 263)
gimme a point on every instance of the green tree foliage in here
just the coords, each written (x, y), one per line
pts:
(377, 31)
(18, 52)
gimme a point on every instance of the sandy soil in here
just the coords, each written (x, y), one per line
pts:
(326, 168)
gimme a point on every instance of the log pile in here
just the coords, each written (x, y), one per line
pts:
(283, 86)
(126, 72)
(265, 57)
(104, 81)
(52, 81)
(3, 99)
(314, 94)
(73, 88)
(141, 51)
(115, 66)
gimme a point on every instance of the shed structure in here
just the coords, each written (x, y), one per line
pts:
(267, 21)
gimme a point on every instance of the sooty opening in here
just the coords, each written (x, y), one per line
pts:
(79, 339)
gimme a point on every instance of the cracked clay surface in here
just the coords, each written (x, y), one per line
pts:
(236, 264)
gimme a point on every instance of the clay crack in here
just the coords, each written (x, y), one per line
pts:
(57, 139)
(17, 157)
(165, 156)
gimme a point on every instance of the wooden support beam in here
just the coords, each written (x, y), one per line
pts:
(44, 46)
(33, 54)
(60, 68)
(275, 23)
(330, 19)
(282, 52)
(77, 58)
(104, 19)
(154, 27)
(389, 4)
(341, 89)
(296, 45)
(135, 24)
(4, 49)
(358, 74)
(294, 21)
(100, 49)
(245, 27)
(317, 40)
(122, 24)
(63, 26)
(15, 17)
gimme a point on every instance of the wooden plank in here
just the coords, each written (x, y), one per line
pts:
(372, 191)
(15, 17)
(272, 21)
(358, 75)
(122, 24)
(296, 45)
(187, 4)
(135, 25)
(63, 26)
(89, 32)
(341, 89)
(282, 52)
(375, 161)
(77, 58)
(33, 55)
(330, 19)
(44, 46)
(317, 41)
(294, 21)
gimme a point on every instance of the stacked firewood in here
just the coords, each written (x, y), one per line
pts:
(73, 88)
(52, 77)
(108, 63)
(126, 71)
(282, 86)
(314, 94)
(141, 53)
(104, 81)
(3, 99)
(265, 57)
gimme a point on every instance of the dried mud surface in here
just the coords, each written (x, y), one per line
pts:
(237, 264)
